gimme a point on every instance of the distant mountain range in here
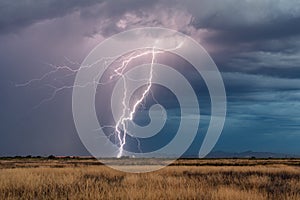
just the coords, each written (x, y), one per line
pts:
(249, 154)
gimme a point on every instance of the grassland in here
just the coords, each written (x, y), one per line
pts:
(228, 179)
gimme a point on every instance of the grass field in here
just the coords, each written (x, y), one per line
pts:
(231, 179)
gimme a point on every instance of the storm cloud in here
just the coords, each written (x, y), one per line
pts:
(254, 43)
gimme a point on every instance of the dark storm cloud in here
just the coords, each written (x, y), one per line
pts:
(278, 64)
(247, 36)
(254, 43)
(253, 36)
(17, 14)
(114, 9)
(240, 82)
(247, 20)
(116, 16)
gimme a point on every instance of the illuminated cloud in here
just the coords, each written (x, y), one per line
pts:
(254, 43)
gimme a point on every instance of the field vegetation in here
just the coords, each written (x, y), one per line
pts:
(215, 179)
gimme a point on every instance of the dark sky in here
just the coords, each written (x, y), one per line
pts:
(255, 44)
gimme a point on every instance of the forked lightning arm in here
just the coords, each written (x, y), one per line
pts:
(127, 113)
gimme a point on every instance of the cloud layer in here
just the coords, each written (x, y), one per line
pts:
(254, 43)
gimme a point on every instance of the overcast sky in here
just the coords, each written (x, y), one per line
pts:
(255, 44)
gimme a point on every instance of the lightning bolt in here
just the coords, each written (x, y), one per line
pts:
(127, 113)
(122, 122)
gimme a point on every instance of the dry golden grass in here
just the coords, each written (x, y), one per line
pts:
(186, 179)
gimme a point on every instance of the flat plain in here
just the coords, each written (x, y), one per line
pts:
(208, 179)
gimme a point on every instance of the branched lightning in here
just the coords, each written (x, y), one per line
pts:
(122, 122)
(120, 129)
